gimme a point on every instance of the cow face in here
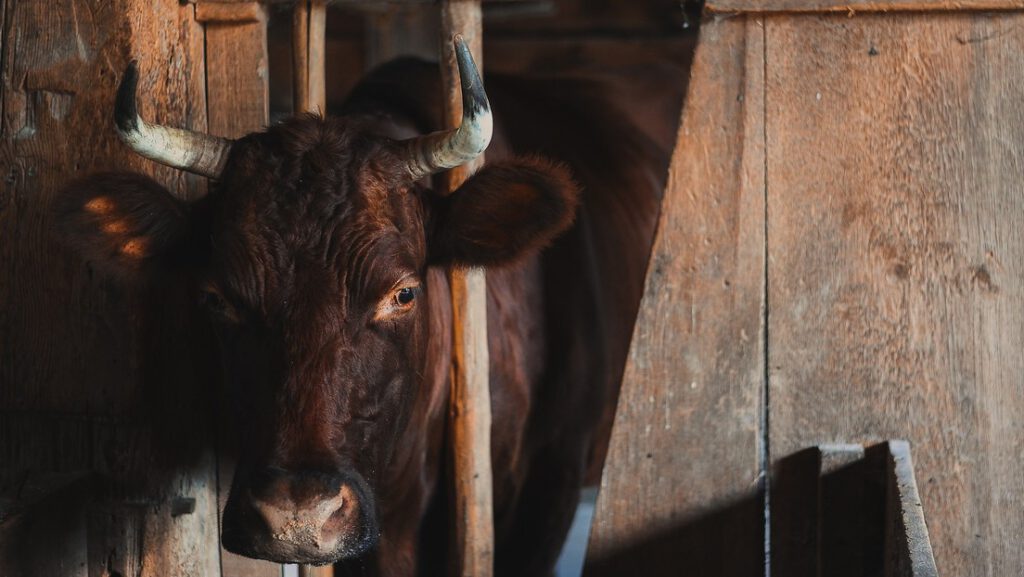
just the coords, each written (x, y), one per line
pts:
(310, 255)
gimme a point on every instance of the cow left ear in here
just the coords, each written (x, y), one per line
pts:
(503, 213)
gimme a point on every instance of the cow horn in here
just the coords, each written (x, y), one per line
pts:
(450, 148)
(192, 151)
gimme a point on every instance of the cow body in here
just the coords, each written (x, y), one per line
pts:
(559, 322)
(326, 276)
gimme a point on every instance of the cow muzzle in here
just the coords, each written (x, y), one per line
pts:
(299, 517)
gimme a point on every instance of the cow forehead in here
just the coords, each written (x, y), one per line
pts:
(336, 217)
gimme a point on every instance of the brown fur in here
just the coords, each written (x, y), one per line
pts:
(299, 246)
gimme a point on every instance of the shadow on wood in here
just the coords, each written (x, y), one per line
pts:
(723, 542)
(847, 511)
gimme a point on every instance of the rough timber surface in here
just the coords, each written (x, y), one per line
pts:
(895, 173)
(237, 103)
(681, 484)
(84, 360)
(850, 7)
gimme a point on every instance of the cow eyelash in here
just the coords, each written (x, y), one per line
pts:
(399, 301)
(214, 302)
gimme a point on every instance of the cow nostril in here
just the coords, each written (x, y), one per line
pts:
(318, 524)
(300, 516)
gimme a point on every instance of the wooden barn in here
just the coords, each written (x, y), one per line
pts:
(825, 372)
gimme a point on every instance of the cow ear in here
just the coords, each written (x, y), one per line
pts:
(503, 213)
(125, 224)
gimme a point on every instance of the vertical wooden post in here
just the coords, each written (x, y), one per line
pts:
(309, 38)
(309, 32)
(237, 103)
(470, 403)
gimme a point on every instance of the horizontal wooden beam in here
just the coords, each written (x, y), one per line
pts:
(855, 6)
(212, 12)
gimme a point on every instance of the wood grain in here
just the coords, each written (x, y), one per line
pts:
(896, 257)
(470, 399)
(237, 77)
(682, 485)
(300, 55)
(309, 20)
(910, 551)
(234, 12)
(237, 103)
(42, 524)
(95, 375)
(850, 7)
(309, 29)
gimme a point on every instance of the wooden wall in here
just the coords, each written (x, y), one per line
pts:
(840, 260)
(97, 376)
(545, 36)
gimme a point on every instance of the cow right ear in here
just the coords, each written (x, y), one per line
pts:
(125, 224)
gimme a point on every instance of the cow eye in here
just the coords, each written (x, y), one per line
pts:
(405, 296)
(211, 300)
(398, 302)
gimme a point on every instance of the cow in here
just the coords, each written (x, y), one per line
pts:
(320, 254)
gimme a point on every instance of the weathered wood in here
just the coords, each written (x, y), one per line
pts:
(850, 7)
(93, 374)
(236, 70)
(234, 12)
(470, 400)
(43, 524)
(842, 504)
(896, 257)
(309, 39)
(909, 548)
(844, 510)
(311, 571)
(300, 56)
(401, 32)
(317, 64)
(309, 27)
(683, 482)
(237, 103)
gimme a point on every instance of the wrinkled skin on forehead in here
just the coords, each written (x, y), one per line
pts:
(315, 229)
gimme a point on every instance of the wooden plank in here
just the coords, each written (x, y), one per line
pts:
(850, 7)
(235, 12)
(841, 511)
(896, 257)
(469, 413)
(237, 80)
(910, 550)
(309, 23)
(397, 32)
(683, 482)
(300, 56)
(317, 63)
(309, 38)
(91, 370)
(311, 571)
(795, 514)
(43, 524)
(238, 103)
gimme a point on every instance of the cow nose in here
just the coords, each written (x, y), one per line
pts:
(316, 521)
(299, 517)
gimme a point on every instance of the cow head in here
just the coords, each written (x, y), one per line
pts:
(310, 253)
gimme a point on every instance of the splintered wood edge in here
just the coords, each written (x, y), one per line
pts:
(922, 560)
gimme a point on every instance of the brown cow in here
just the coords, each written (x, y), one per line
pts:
(320, 253)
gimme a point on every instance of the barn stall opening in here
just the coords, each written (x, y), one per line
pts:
(838, 263)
